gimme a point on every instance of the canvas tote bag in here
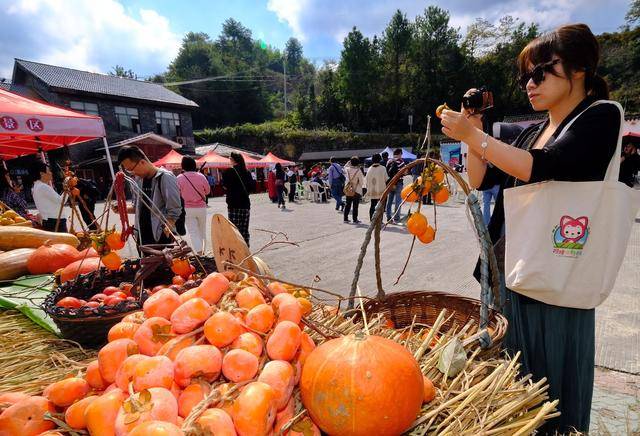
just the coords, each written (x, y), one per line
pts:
(565, 241)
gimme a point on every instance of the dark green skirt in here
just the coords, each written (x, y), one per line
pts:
(557, 343)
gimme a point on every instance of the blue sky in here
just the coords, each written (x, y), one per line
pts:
(145, 35)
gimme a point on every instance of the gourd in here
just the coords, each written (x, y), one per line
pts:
(12, 237)
(13, 264)
(362, 385)
(49, 258)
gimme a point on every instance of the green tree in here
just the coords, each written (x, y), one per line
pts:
(227, 96)
(357, 77)
(438, 64)
(497, 69)
(633, 14)
(396, 45)
(480, 37)
(330, 111)
(120, 71)
(620, 64)
(236, 45)
(293, 55)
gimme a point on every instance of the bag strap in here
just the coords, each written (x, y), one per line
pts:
(613, 170)
(350, 183)
(195, 189)
(241, 182)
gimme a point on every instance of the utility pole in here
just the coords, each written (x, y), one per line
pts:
(284, 65)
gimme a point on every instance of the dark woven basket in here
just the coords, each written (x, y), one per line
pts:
(423, 307)
(401, 307)
(90, 327)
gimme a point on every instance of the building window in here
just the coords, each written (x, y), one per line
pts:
(128, 119)
(87, 108)
(168, 124)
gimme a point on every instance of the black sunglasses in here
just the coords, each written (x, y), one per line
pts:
(537, 74)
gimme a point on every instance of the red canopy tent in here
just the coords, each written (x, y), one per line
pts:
(213, 160)
(253, 163)
(632, 134)
(272, 159)
(29, 126)
(173, 159)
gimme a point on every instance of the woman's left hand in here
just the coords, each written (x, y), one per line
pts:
(456, 125)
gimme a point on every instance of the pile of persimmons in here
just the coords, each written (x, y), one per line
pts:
(225, 358)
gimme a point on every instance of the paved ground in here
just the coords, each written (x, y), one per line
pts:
(327, 250)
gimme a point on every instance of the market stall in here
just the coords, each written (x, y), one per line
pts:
(171, 160)
(211, 163)
(272, 159)
(199, 345)
(29, 127)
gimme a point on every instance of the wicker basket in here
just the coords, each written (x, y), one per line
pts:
(425, 306)
(90, 327)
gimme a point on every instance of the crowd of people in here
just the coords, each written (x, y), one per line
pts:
(183, 198)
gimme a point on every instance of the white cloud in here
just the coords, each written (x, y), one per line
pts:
(85, 34)
(290, 11)
(312, 19)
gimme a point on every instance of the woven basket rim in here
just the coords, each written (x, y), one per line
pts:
(496, 320)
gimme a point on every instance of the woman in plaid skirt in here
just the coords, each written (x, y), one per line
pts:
(238, 183)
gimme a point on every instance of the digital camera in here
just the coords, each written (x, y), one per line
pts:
(477, 100)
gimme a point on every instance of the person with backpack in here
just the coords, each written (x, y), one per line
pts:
(161, 187)
(238, 183)
(393, 167)
(336, 182)
(194, 188)
(353, 188)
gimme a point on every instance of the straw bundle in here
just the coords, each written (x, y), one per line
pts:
(32, 357)
(486, 397)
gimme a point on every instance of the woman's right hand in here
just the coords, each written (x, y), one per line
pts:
(475, 119)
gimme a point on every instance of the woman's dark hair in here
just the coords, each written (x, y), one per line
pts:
(578, 49)
(279, 171)
(239, 160)
(376, 158)
(36, 169)
(354, 161)
(188, 163)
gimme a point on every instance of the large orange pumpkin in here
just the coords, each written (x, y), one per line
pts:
(49, 258)
(362, 385)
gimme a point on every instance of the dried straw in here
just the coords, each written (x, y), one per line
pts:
(32, 357)
(486, 397)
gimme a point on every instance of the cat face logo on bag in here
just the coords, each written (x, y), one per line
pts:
(570, 236)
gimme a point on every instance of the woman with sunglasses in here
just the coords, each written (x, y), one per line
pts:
(558, 73)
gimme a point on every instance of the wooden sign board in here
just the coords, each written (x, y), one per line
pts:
(229, 246)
